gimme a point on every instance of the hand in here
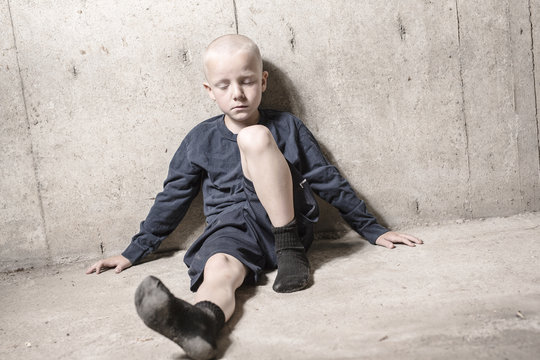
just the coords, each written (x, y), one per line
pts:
(118, 262)
(390, 238)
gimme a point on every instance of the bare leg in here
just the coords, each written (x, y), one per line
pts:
(223, 274)
(265, 166)
(194, 327)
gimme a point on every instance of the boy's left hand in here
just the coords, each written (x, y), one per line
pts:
(390, 238)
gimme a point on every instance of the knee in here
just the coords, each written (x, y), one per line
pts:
(254, 139)
(222, 267)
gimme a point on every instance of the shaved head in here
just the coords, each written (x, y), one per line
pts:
(231, 44)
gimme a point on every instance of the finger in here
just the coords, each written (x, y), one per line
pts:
(407, 242)
(402, 239)
(413, 238)
(386, 243)
(99, 265)
(119, 269)
(399, 238)
(90, 270)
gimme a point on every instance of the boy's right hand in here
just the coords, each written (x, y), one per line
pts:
(118, 262)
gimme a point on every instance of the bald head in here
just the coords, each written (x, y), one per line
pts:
(230, 45)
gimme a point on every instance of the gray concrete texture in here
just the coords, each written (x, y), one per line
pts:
(472, 291)
(429, 108)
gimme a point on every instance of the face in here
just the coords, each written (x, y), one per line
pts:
(236, 82)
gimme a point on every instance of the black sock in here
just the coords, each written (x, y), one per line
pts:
(194, 327)
(292, 262)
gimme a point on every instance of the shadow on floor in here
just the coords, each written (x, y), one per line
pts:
(243, 294)
(323, 251)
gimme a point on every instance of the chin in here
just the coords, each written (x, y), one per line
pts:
(243, 117)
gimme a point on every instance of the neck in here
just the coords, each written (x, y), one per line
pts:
(235, 126)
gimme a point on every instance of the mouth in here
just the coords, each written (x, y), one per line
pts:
(239, 107)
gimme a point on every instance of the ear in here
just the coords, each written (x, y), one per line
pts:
(210, 92)
(264, 80)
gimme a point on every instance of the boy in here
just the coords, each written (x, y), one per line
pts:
(256, 168)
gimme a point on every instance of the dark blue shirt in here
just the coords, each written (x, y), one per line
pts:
(209, 158)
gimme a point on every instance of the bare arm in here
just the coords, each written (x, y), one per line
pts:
(118, 262)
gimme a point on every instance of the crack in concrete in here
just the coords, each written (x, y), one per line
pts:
(401, 28)
(27, 119)
(235, 15)
(534, 83)
(510, 43)
(292, 40)
(468, 207)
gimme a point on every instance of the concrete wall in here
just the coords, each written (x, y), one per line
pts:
(428, 107)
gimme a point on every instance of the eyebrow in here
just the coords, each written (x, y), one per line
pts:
(247, 75)
(222, 82)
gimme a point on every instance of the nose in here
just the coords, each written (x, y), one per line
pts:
(238, 92)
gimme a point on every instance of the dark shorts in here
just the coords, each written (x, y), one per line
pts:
(245, 232)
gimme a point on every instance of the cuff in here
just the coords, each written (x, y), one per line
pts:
(373, 232)
(134, 252)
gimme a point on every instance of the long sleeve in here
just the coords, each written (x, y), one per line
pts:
(330, 185)
(179, 189)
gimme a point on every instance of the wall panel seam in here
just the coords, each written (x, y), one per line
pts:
(511, 44)
(27, 123)
(534, 83)
(468, 205)
(235, 15)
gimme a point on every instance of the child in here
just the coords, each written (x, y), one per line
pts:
(257, 169)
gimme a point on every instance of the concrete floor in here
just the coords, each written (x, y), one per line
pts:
(472, 291)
